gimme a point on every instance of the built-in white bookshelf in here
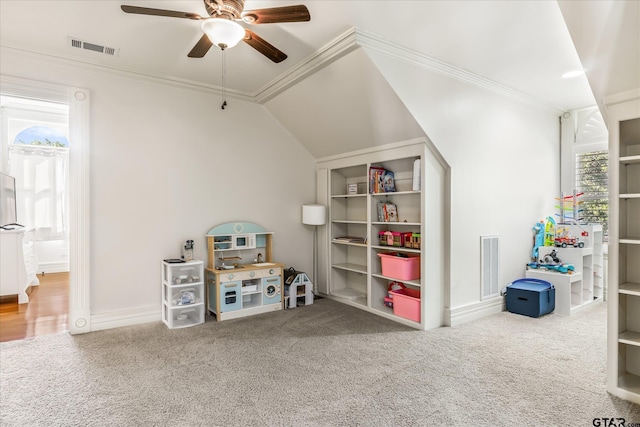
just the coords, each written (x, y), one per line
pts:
(623, 366)
(352, 245)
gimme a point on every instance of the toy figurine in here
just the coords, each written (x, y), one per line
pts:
(187, 251)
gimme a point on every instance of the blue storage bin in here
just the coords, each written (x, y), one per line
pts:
(531, 297)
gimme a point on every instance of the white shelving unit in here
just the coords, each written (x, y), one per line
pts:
(353, 267)
(623, 366)
(182, 294)
(585, 286)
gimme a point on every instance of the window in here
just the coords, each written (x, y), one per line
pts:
(592, 179)
(586, 166)
(36, 153)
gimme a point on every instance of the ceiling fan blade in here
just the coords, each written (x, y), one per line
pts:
(201, 48)
(272, 15)
(264, 47)
(160, 12)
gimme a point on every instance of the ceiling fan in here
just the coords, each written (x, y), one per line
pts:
(220, 27)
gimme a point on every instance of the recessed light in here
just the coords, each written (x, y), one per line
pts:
(572, 74)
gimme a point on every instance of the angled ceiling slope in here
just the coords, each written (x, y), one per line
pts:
(606, 35)
(344, 107)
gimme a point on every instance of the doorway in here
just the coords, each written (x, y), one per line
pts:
(35, 141)
(77, 100)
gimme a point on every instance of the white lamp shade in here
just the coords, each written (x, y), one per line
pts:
(314, 214)
(223, 33)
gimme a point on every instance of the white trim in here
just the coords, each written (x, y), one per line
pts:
(474, 311)
(374, 149)
(374, 42)
(129, 317)
(123, 72)
(79, 185)
(53, 267)
(618, 98)
(79, 202)
(338, 47)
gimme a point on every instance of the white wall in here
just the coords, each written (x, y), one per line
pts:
(167, 164)
(504, 159)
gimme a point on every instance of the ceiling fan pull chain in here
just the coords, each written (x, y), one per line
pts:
(224, 71)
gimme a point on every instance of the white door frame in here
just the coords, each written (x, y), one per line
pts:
(78, 100)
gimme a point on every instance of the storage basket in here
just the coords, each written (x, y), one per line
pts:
(400, 266)
(406, 303)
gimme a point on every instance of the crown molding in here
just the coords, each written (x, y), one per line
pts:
(345, 43)
(124, 72)
(618, 98)
(338, 47)
(370, 41)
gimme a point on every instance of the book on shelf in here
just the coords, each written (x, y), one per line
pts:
(387, 212)
(416, 175)
(351, 239)
(381, 180)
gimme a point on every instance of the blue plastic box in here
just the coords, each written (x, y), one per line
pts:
(531, 297)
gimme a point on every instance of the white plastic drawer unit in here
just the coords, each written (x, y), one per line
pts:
(182, 274)
(183, 295)
(183, 317)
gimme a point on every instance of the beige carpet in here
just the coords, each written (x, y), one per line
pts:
(326, 364)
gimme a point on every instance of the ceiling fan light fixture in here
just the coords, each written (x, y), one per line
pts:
(223, 33)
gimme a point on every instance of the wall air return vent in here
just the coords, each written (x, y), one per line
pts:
(490, 266)
(80, 44)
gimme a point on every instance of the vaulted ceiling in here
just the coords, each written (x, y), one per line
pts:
(523, 45)
(328, 91)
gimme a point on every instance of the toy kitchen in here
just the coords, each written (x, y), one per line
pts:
(241, 277)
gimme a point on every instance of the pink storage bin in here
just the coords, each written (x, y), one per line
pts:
(400, 268)
(406, 303)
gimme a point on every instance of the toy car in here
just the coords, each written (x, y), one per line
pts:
(568, 241)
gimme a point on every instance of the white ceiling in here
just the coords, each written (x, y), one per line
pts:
(522, 45)
(606, 35)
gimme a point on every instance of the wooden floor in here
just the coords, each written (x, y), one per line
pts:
(46, 312)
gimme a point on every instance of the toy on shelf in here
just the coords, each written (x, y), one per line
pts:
(570, 211)
(544, 235)
(538, 239)
(297, 285)
(551, 262)
(569, 241)
(549, 231)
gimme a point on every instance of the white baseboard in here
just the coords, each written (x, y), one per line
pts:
(117, 319)
(53, 267)
(477, 310)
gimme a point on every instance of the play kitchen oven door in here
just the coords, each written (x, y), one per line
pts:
(230, 296)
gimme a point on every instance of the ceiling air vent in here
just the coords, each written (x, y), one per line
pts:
(74, 42)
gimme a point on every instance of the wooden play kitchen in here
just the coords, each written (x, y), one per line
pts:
(241, 277)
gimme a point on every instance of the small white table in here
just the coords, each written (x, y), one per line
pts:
(570, 295)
